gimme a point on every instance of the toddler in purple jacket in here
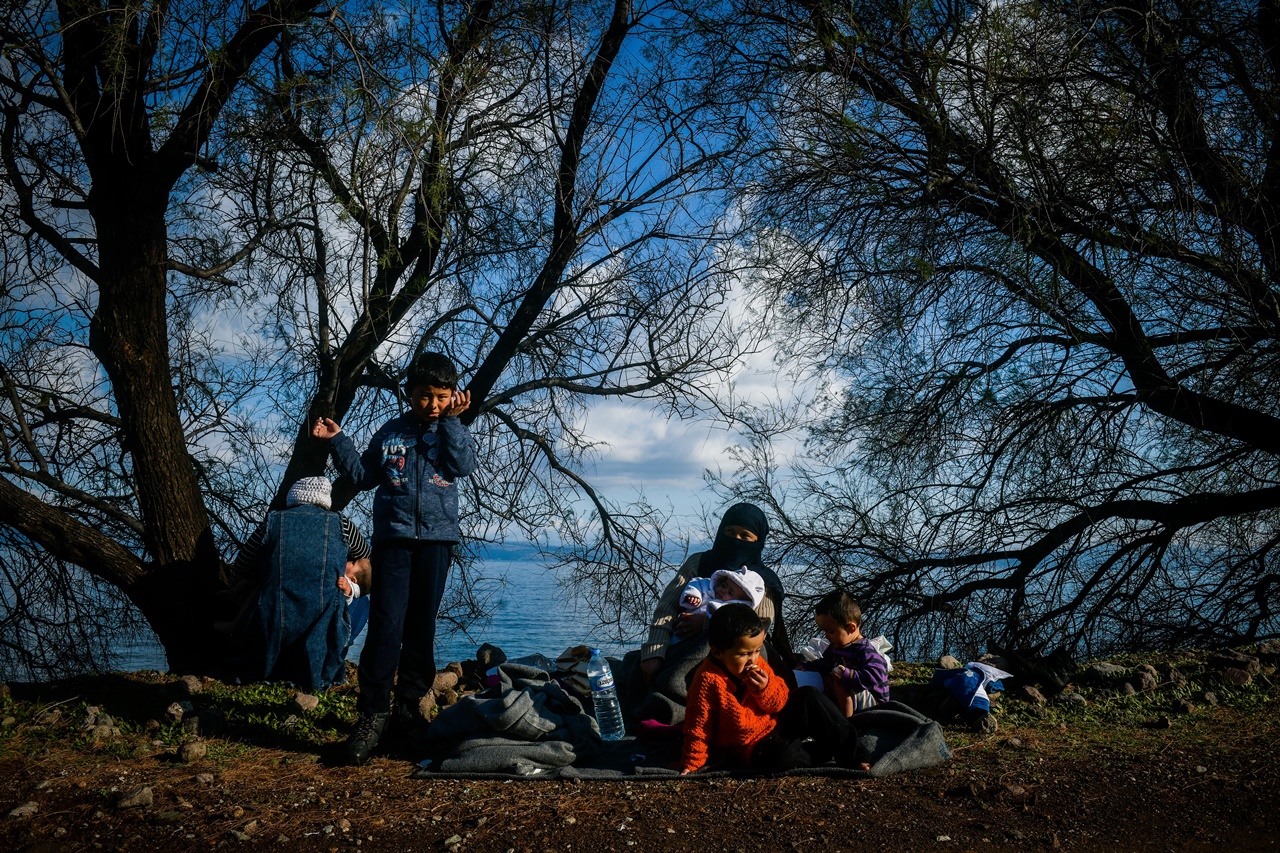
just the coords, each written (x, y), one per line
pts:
(854, 674)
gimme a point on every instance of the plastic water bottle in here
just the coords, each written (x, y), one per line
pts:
(604, 697)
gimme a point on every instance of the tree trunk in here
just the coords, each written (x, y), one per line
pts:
(129, 333)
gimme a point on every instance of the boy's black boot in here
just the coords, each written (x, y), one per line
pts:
(369, 729)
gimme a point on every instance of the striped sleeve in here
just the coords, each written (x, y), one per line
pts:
(357, 547)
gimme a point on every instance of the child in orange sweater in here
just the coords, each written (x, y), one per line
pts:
(740, 714)
(735, 698)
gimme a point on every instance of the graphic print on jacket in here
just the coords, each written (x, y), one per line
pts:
(393, 453)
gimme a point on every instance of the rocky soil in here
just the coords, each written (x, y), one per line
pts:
(1161, 752)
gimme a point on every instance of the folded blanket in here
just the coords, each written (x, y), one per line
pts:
(523, 723)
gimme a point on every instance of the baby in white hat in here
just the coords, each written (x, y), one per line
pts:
(706, 595)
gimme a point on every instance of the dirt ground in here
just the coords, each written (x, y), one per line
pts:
(1111, 773)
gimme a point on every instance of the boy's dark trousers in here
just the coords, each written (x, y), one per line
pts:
(810, 732)
(409, 577)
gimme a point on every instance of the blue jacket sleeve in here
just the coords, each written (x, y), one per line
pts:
(361, 470)
(457, 451)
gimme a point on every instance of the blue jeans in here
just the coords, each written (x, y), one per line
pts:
(409, 582)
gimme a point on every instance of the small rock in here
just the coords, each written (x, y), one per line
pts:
(50, 717)
(104, 732)
(282, 839)
(455, 668)
(190, 685)
(1071, 698)
(176, 711)
(1182, 706)
(237, 812)
(949, 662)
(251, 827)
(1016, 791)
(453, 839)
(343, 825)
(571, 820)
(1127, 689)
(427, 706)
(1015, 835)
(191, 751)
(151, 725)
(204, 778)
(449, 697)
(490, 656)
(132, 798)
(141, 751)
(944, 837)
(445, 680)
(8, 722)
(1200, 768)
(1169, 672)
(238, 835)
(1105, 671)
(1210, 698)
(191, 725)
(1027, 693)
(25, 810)
(305, 703)
(1148, 668)
(1228, 659)
(290, 721)
(1238, 677)
(1143, 680)
(1014, 742)
(4, 690)
(1268, 652)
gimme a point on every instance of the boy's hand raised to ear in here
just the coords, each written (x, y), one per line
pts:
(325, 428)
(460, 403)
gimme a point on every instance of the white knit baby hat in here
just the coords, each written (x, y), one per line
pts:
(311, 490)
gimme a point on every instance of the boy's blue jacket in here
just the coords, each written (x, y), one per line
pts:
(415, 466)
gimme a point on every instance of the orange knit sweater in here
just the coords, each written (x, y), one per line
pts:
(723, 717)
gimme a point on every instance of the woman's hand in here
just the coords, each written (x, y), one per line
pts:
(325, 428)
(690, 625)
(650, 667)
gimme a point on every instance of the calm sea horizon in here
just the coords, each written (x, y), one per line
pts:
(529, 613)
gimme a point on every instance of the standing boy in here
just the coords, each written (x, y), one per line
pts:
(414, 461)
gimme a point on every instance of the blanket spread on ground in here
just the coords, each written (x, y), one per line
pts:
(528, 727)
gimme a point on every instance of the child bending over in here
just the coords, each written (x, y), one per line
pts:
(854, 673)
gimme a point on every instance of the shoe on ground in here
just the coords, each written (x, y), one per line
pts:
(363, 740)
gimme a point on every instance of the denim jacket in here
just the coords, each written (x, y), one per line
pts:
(414, 466)
(301, 620)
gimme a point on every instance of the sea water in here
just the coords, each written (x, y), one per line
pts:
(529, 612)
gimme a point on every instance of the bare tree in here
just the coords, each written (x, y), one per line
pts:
(217, 228)
(1030, 251)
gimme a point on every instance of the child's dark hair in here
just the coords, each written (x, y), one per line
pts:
(432, 369)
(840, 606)
(732, 622)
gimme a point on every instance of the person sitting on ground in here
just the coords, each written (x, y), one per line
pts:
(658, 685)
(854, 673)
(742, 716)
(293, 626)
(706, 595)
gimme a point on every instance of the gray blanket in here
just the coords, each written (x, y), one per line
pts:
(892, 737)
(524, 723)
